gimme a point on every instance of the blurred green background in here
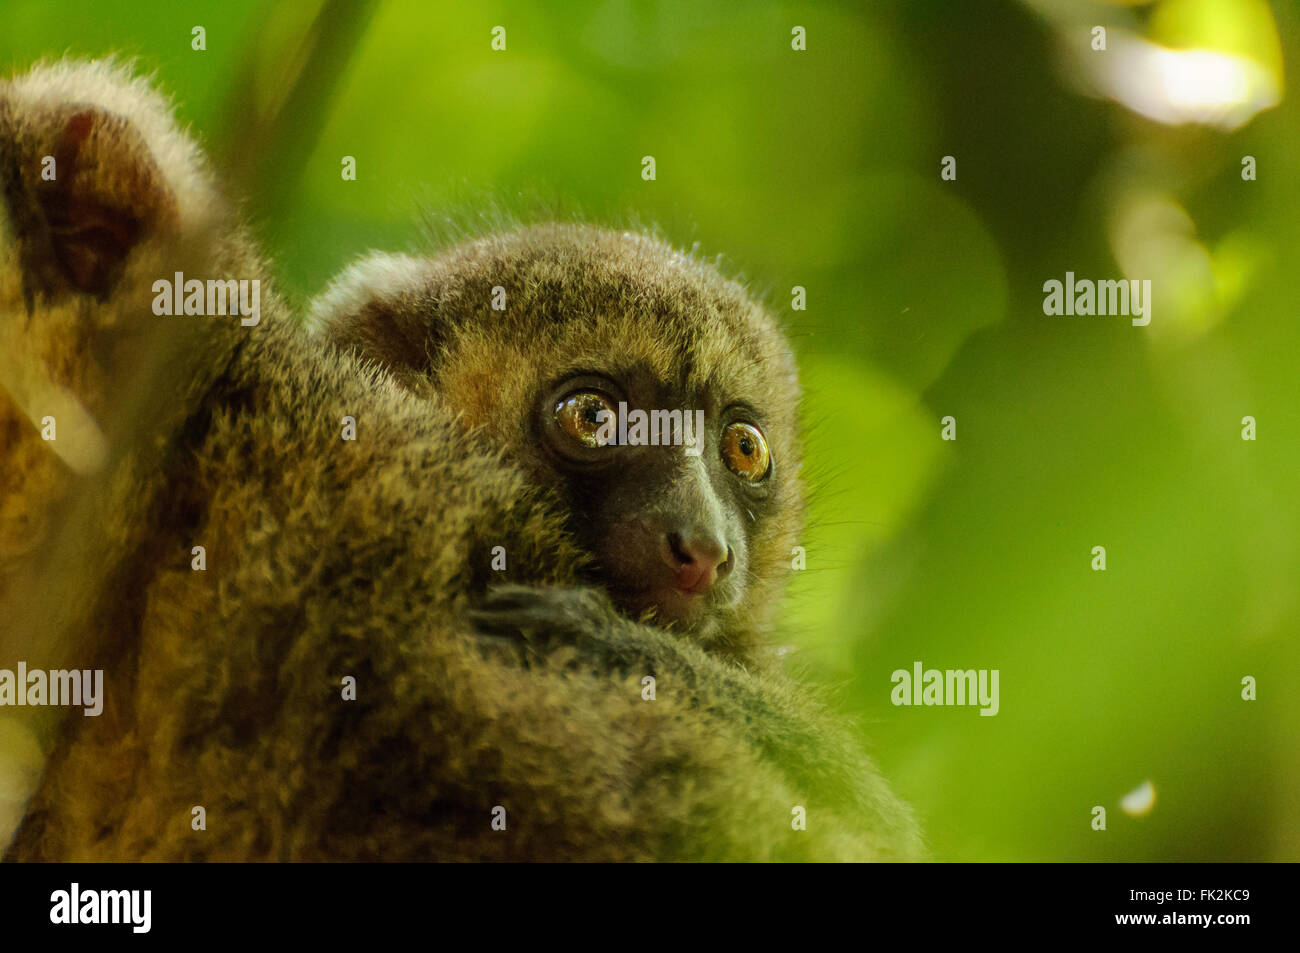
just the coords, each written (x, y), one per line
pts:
(821, 168)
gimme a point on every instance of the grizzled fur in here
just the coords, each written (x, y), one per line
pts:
(367, 558)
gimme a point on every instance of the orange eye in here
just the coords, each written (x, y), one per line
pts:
(744, 450)
(580, 416)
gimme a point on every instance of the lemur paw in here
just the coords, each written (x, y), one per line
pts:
(535, 620)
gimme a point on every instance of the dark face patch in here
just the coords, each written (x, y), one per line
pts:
(643, 466)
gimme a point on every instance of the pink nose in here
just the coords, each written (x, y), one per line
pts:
(699, 559)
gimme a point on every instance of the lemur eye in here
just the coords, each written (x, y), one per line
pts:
(744, 449)
(580, 416)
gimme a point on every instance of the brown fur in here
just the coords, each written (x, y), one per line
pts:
(328, 558)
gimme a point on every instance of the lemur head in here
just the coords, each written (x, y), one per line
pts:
(655, 398)
(101, 195)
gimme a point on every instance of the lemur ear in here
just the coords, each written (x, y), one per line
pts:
(93, 165)
(376, 310)
(96, 192)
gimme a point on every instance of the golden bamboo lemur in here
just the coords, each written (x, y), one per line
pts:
(596, 328)
(479, 506)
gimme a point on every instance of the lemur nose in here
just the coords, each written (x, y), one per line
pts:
(699, 558)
